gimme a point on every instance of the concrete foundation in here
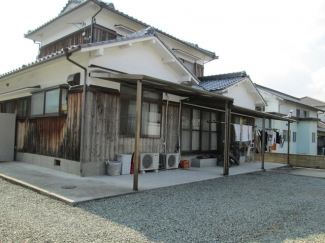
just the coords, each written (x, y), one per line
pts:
(63, 165)
(204, 162)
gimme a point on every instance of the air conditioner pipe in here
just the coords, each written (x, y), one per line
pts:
(84, 98)
(166, 125)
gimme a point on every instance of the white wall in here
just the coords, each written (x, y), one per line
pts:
(241, 96)
(137, 59)
(51, 74)
(304, 137)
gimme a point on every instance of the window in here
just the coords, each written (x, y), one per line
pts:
(298, 113)
(294, 137)
(285, 135)
(313, 137)
(10, 107)
(151, 113)
(198, 133)
(306, 114)
(22, 105)
(51, 102)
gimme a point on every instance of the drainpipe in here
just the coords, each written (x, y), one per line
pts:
(92, 24)
(166, 126)
(84, 97)
(179, 128)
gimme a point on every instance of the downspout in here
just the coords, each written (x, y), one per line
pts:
(166, 126)
(92, 24)
(83, 117)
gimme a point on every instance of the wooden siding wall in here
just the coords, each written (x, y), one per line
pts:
(102, 140)
(53, 136)
(100, 34)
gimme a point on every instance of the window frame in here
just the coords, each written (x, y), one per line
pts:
(313, 137)
(44, 92)
(201, 131)
(129, 97)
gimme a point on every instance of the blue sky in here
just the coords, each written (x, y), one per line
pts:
(280, 44)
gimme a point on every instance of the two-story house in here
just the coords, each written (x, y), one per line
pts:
(76, 105)
(92, 119)
(321, 124)
(303, 135)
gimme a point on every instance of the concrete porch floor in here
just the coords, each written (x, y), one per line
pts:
(50, 182)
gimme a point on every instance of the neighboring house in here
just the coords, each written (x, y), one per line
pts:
(303, 133)
(240, 87)
(321, 124)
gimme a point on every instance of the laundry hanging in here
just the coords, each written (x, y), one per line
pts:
(245, 134)
(237, 132)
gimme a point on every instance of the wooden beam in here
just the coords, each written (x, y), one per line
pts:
(137, 136)
(263, 141)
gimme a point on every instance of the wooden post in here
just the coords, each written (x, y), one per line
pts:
(227, 139)
(288, 159)
(137, 136)
(263, 141)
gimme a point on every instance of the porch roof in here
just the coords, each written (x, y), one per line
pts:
(191, 95)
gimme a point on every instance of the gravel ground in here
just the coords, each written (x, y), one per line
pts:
(258, 207)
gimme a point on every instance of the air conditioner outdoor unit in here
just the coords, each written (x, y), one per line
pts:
(149, 161)
(169, 161)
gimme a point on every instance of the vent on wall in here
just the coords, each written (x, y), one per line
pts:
(57, 162)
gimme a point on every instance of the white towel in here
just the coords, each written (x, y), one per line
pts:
(237, 132)
(244, 134)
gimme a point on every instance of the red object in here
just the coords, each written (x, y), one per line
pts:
(132, 164)
(185, 164)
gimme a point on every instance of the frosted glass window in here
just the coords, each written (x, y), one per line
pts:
(196, 121)
(186, 118)
(214, 122)
(205, 141)
(205, 120)
(37, 104)
(214, 141)
(186, 140)
(195, 140)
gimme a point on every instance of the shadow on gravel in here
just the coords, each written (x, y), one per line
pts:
(260, 207)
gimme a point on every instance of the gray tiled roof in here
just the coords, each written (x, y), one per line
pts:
(111, 7)
(222, 81)
(312, 101)
(284, 96)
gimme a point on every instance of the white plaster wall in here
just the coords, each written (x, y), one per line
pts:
(272, 102)
(138, 59)
(51, 74)
(241, 96)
